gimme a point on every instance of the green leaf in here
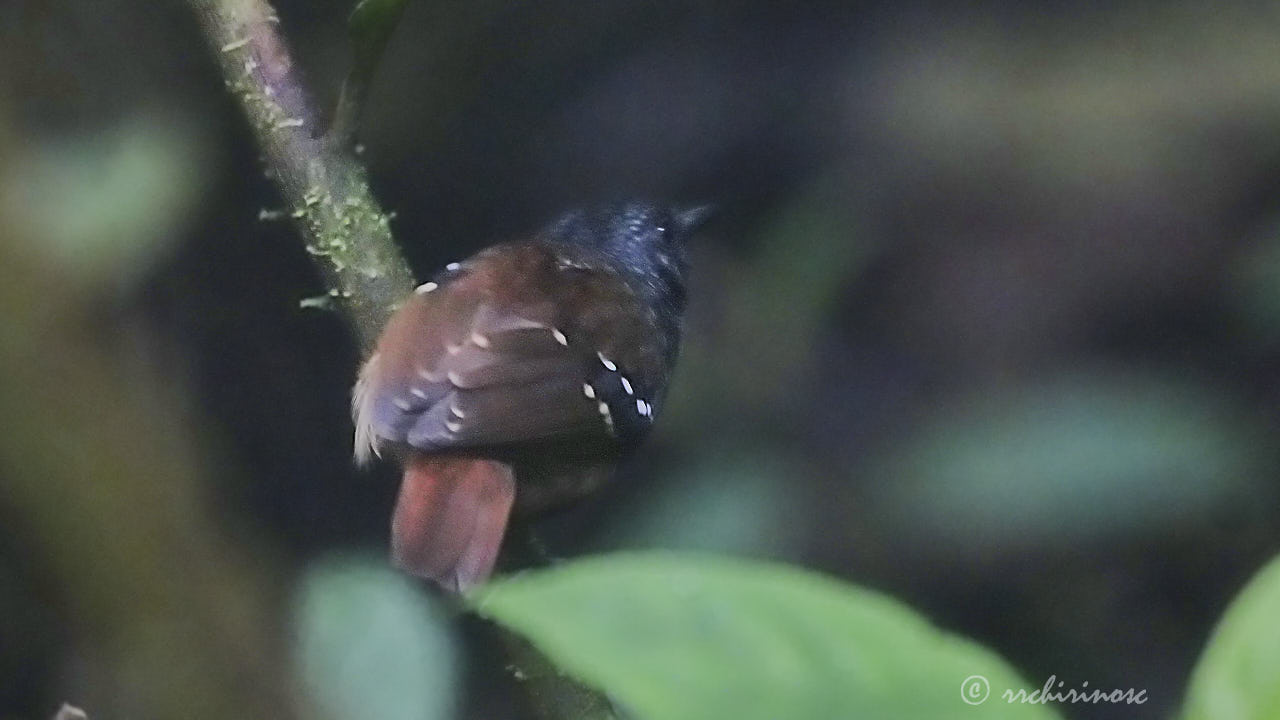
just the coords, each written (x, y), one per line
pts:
(675, 636)
(1238, 676)
(371, 25)
(371, 645)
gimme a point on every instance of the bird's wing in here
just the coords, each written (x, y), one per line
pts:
(523, 343)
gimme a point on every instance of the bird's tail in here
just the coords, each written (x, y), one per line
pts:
(450, 518)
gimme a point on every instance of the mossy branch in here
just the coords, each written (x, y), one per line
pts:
(346, 231)
(325, 187)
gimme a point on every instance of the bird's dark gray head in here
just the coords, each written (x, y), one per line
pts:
(646, 241)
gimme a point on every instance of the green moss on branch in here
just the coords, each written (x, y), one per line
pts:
(325, 187)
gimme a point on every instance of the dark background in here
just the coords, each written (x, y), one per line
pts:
(989, 319)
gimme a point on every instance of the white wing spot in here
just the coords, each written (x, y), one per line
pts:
(559, 336)
(453, 267)
(425, 288)
(607, 362)
(480, 340)
(429, 376)
(418, 393)
(626, 384)
(565, 263)
(457, 412)
(604, 409)
(452, 349)
(454, 378)
(589, 391)
(643, 407)
(403, 404)
(452, 426)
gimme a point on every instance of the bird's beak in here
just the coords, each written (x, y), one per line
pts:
(693, 219)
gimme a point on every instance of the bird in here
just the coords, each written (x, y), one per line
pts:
(513, 382)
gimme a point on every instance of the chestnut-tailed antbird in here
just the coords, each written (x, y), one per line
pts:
(515, 380)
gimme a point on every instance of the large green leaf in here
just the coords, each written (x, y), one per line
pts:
(692, 636)
(1238, 677)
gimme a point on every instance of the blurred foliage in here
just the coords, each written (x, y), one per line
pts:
(105, 481)
(106, 204)
(1079, 458)
(732, 503)
(1238, 676)
(372, 645)
(686, 637)
(1254, 293)
(773, 309)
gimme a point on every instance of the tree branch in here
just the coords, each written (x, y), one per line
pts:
(347, 233)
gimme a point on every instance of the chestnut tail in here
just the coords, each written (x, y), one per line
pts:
(450, 518)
